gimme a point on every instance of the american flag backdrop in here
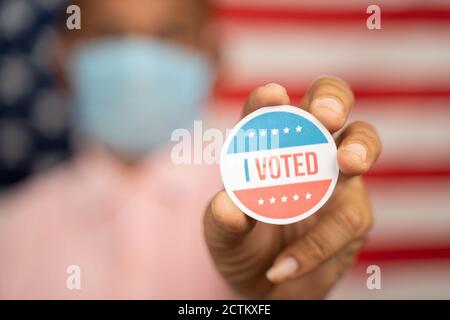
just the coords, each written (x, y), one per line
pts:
(401, 78)
(33, 112)
(400, 75)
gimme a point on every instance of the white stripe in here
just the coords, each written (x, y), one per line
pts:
(413, 134)
(414, 55)
(399, 280)
(233, 171)
(410, 213)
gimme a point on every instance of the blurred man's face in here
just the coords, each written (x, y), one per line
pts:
(182, 22)
(139, 69)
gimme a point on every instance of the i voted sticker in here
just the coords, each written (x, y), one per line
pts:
(279, 164)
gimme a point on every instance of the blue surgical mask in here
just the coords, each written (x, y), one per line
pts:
(130, 94)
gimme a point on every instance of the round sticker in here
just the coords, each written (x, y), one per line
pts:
(279, 164)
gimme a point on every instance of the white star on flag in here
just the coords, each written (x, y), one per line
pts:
(298, 129)
(272, 200)
(251, 134)
(284, 199)
(296, 197)
(262, 132)
(286, 130)
(261, 201)
(308, 196)
(274, 132)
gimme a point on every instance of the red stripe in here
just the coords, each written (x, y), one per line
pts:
(283, 210)
(224, 93)
(376, 255)
(261, 14)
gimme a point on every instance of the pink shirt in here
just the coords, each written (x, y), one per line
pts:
(132, 238)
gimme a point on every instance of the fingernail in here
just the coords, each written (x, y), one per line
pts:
(327, 104)
(275, 86)
(357, 149)
(282, 270)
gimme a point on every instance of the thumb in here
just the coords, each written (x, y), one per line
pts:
(236, 247)
(225, 225)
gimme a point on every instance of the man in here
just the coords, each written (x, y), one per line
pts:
(125, 222)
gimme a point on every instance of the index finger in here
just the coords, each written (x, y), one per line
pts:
(330, 100)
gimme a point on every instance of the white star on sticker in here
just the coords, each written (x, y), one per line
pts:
(284, 199)
(251, 134)
(261, 201)
(274, 132)
(298, 129)
(286, 130)
(272, 200)
(262, 132)
(308, 196)
(296, 197)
